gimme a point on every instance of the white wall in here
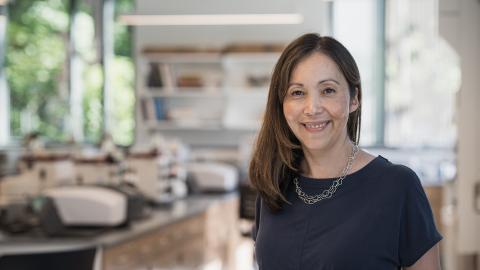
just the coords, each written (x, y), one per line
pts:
(460, 26)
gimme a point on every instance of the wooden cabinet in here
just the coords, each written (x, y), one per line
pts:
(189, 243)
(222, 233)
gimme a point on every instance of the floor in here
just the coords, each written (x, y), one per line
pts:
(244, 256)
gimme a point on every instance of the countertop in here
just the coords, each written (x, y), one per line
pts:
(159, 217)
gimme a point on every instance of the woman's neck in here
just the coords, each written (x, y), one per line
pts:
(328, 163)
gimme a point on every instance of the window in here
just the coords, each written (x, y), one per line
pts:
(123, 74)
(409, 73)
(363, 38)
(35, 67)
(55, 76)
(423, 74)
(4, 93)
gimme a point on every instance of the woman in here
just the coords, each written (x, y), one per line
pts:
(325, 203)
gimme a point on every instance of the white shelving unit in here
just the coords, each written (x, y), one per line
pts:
(204, 98)
(316, 19)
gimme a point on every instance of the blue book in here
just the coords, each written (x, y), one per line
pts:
(159, 108)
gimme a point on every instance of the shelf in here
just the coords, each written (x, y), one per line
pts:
(226, 103)
(248, 92)
(213, 92)
(172, 125)
(249, 58)
(178, 58)
(184, 92)
(197, 126)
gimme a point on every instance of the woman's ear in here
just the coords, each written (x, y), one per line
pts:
(354, 103)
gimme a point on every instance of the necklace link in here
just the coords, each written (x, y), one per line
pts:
(327, 193)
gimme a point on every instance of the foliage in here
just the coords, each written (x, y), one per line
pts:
(35, 56)
(123, 101)
(36, 70)
(122, 74)
(123, 33)
(123, 79)
(92, 103)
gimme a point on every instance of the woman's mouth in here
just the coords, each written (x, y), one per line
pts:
(316, 126)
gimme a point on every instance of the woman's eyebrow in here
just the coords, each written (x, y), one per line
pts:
(320, 82)
(328, 80)
(294, 83)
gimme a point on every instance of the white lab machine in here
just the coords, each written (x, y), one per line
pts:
(214, 176)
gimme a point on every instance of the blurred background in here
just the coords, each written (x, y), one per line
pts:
(126, 126)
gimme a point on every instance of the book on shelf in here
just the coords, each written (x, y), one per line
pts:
(160, 76)
(147, 109)
(160, 110)
(155, 78)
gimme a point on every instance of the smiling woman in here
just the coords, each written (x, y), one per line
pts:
(325, 203)
(318, 103)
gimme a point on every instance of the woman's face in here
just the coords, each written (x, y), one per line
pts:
(318, 103)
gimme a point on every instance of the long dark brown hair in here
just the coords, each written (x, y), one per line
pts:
(277, 153)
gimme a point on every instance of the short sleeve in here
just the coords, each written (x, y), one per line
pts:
(257, 217)
(418, 232)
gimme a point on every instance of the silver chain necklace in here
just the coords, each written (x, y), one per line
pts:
(327, 193)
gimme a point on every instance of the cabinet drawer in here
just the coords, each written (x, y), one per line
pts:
(125, 256)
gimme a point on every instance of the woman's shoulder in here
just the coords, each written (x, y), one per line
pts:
(380, 168)
(381, 163)
(399, 170)
(398, 174)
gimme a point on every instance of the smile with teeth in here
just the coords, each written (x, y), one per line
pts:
(316, 125)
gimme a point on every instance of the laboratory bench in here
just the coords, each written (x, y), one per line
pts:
(191, 232)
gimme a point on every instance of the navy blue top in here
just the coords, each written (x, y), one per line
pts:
(379, 218)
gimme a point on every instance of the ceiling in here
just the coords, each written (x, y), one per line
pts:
(315, 14)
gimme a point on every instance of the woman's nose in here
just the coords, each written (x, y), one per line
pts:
(313, 106)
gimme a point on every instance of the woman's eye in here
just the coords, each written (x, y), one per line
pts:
(296, 92)
(329, 91)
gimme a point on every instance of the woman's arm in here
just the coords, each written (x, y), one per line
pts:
(429, 261)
